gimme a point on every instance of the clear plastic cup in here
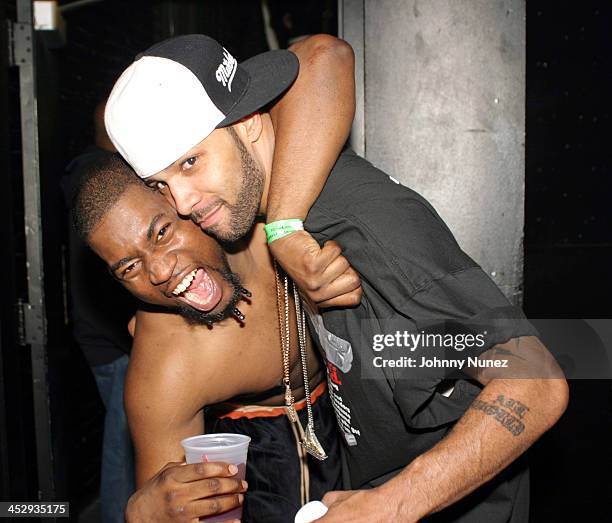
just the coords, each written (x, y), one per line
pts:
(226, 448)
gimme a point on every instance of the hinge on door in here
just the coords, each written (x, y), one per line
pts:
(20, 323)
(19, 43)
(29, 324)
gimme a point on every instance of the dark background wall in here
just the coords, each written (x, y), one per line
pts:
(102, 40)
(568, 234)
(568, 237)
(13, 426)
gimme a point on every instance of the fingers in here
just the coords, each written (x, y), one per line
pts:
(350, 299)
(319, 257)
(200, 489)
(301, 255)
(344, 291)
(316, 280)
(326, 260)
(335, 268)
(198, 471)
(330, 498)
(325, 255)
(216, 505)
(323, 274)
(207, 488)
(337, 496)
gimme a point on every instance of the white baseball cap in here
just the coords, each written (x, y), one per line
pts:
(180, 90)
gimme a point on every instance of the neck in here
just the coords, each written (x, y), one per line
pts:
(250, 257)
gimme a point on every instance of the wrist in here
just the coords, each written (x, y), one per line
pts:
(279, 208)
(388, 504)
(275, 230)
(274, 215)
(410, 492)
(290, 248)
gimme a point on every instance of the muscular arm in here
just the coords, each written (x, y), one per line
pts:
(312, 122)
(505, 419)
(163, 397)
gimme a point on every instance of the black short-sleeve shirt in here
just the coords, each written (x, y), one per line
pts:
(413, 272)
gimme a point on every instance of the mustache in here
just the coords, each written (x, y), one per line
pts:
(197, 216)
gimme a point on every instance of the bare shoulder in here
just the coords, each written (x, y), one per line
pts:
(162, 369)
(154, 331)
(172, 365)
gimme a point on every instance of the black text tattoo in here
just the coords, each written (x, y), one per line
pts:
(508, 411)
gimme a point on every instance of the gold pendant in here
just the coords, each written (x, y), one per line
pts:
(289, 402)
(292, 414)
(312, 445)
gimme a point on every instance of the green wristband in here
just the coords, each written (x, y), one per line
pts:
(282, 228)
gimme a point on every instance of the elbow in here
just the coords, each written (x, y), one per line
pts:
(558, 399)
(327, 52)
(563, 396)
(337, 51)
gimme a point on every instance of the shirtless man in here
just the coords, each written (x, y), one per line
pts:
(206, 356)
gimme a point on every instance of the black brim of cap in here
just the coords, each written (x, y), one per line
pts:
(271, 74)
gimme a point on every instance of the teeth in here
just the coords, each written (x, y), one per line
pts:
(182, 287)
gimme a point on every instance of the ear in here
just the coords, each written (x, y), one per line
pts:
(252, 126)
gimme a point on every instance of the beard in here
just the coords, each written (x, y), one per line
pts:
(244, 211)
(195, 317)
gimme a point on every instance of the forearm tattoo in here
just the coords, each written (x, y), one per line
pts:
(507, 411)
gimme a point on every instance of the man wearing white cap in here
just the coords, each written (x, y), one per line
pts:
(210, 90)
(416, 443)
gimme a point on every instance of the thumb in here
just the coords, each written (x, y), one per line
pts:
(331, 497)
(301, 241)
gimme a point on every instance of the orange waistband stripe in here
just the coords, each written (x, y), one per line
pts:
(262, 411)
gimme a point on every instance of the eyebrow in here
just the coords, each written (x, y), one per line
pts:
(153, 224)
(180, 161)
(113, 268)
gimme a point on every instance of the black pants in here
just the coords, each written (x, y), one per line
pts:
(280, 481)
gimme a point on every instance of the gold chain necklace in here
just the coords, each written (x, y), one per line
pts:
(310, 442)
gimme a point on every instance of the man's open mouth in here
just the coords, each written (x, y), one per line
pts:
(198, 290)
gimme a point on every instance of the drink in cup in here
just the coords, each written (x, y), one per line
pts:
(226, 448)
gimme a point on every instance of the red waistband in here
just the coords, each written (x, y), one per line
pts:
(262, 411)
